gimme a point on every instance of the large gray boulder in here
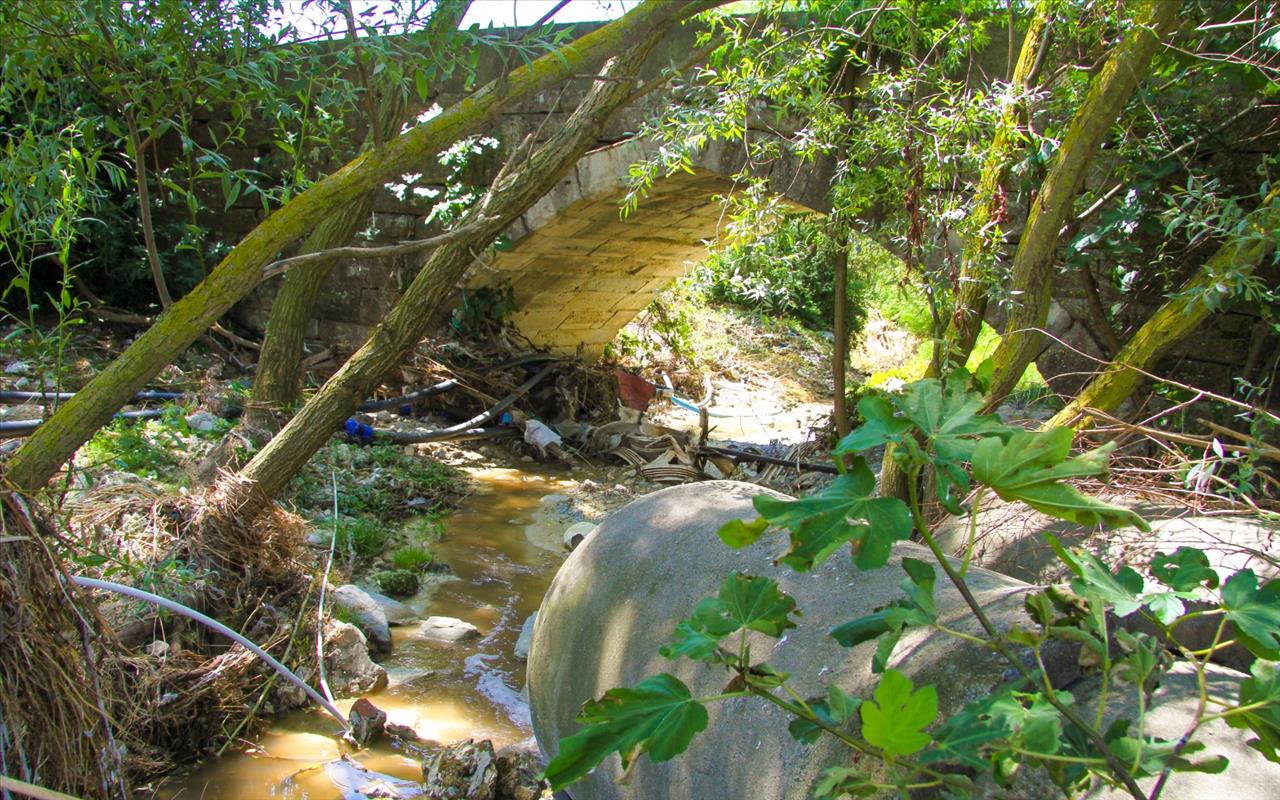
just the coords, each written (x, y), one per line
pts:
(618, 598)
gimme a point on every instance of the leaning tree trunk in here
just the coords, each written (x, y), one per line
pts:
(267, 473)
(981, 232)
(275, 385)
(1033, 262)
(76, 420)
(1175, 319)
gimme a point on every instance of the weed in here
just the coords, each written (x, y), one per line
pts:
(379, 480)
(412, 557)
(362, 536)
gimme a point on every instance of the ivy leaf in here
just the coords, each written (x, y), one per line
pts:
(895, 719)
(1263, 689)
(949, 418)
(1031, 468)
(1121, 589)
(1165, 606)
(882, 426)
(739, 533)
(841, 705)
(691, 642)
(1254, 612)
(821, 523)
(658, 716)
(745, 601)
(862, 629)
(1185, 570)
(835, 709)
(962, 737)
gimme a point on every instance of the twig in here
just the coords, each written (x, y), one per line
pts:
(1265, 450)
(402, 248)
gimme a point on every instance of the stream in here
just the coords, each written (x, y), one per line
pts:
(503, 555)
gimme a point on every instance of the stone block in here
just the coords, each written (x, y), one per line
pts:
(529, 321)
(590, 300)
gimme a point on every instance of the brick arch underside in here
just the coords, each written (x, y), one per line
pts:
(579, 272)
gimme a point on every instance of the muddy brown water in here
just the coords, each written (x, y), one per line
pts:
(502, 562)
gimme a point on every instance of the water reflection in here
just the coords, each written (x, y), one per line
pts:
(445, 691)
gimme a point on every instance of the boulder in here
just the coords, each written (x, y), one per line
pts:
(463, 770)
(526, 637)
(350, 779)
(1250, 776)
(367, 613)
(619, 596)
(367, 722)
(446, 629)
(519, 771)
(397, 613)
(1010, 539)
(346, 658)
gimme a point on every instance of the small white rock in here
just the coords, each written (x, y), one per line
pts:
(446, 629)
(202, 421)
(576, 532)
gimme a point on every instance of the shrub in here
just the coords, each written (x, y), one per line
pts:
(789, 270)
(397, 582)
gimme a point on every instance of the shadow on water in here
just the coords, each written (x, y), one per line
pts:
(502, 563)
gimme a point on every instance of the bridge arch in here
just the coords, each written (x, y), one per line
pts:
(579, 273)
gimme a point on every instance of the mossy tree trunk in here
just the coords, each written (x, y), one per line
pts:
(271, 469)
(982, 232)
(1181, 314)
(240, 271)
(1032, 271)
(275, 385)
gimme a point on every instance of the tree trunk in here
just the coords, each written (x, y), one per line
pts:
(58, 438)
(1033, 262)
(275, 385)
(268, 472)
(982, 232)
(840, 328)
(1174, 320)
(982, 226)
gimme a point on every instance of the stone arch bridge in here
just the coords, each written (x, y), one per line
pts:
(578, 271)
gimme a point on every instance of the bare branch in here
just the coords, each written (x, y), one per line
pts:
(417, 246)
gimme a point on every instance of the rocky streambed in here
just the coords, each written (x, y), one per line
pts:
(455, 670)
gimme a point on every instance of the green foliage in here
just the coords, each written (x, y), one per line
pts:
(895, 717)
(155, 448)
(362, 537)
(1027, 723)
(378, 480)
(412, 557)
(397, 582)
(658, 717)
(790, 270)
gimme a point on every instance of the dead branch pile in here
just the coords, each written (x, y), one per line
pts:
(82, 711)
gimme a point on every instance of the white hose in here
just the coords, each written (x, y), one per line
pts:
(173, 605)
